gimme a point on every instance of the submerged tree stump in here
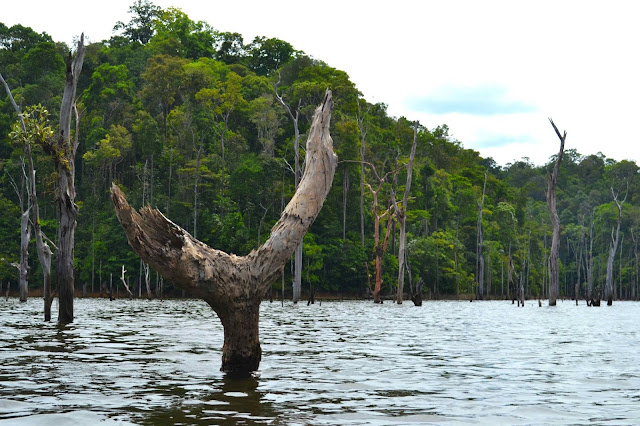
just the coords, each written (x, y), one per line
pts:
(235, 285)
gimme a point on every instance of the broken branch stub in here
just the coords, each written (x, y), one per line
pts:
(234, 285)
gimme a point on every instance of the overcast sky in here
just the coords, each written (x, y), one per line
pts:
(493, 71)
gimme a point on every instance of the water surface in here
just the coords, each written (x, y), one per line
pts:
(157, 362)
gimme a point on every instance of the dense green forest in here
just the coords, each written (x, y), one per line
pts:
(202, 126)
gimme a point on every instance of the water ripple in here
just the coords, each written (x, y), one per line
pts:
(155, 362)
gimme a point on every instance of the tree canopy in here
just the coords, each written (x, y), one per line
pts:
(186, 118)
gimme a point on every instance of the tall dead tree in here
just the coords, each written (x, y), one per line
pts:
(480, 242)
(555, 220)
(634, 288)
(380, 248)
(364, 129)
(40, 134)
(613, 246)
(234, 285)
(294, 115)
(588, 259)
(25, 234)
(401, 214)
(63, 153)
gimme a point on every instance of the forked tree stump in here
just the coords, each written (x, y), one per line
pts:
(235, 285)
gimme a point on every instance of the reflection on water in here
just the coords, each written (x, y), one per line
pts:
(153, 362)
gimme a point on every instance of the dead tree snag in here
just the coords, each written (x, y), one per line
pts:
(234, 285)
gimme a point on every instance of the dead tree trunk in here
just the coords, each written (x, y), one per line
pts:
(588, 261)
(634, 289)
(44, 252)
(555, 221)
(233, 285)
(295, 117)
(124, 282)
(480, 242)
(147, 281)
(613, 247)
(63, 152)
(401, 214)
(25, 235)
(579, 268)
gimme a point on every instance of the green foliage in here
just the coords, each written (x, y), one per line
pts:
(37, 128)
(140, 27)
(169, 102)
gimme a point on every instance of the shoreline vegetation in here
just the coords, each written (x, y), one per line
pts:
(208, 128)
(319, 297)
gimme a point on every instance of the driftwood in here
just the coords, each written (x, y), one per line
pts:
(234, 285)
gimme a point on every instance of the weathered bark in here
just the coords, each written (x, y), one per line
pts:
(64, 160)
(555, 221)
(234, 285)
(401, 214)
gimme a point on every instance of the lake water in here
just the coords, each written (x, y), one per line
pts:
(335, 363)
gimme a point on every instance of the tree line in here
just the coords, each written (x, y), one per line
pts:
(210, 130)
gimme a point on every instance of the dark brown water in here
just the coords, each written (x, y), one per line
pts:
(153, 362)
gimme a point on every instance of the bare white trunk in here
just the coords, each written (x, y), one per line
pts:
(613, 247)
(124, 282)
(295, 117)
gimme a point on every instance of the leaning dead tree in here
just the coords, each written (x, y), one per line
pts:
(555, 221)
(234, 285)
(36, 131)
